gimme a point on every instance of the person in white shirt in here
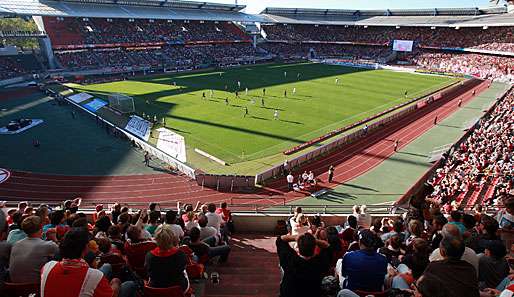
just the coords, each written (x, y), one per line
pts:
(171, 219)
(290, 181)
(208, 234)
(214, 219)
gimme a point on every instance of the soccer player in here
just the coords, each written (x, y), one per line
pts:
(203, 95)
(285, 93)
(262, 101)
(226, 88)
(396, 144)
(298, 76)
(226, 101)
(285, 74)
(252, 100)
(337, 81)
(237, 94)
(294, 91)
(460, 102)
(238, 84)
(435, 120)
(246, 91)
(246, 112)
(211, 92)
(174, 83)
(275, 115)
(406, 92)
(264, 92)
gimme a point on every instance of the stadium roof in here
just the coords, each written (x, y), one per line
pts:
(448, 17)
(148, 9)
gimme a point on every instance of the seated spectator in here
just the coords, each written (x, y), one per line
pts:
(392, 250)
(203, 251)
(487, 229)
(136, 248)
(171, 220)
(207, 234)
(153, 222)
(430, 285)
(412, 265)
(5, 250)
(15, 232)
(302, 271)
(30, 254)
(102, 226)
(226, 215)
(191, 221)
(364, 269)
(456, 219)
(114, 235)
(57, 219)
(458, 277)
(349, 234)
(493, 267)
(166, 264)
(468, 255)
(72, 276)
(108, 255)
(213, 219)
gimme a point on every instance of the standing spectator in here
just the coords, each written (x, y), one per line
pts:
(290, 181)
(166, 264)
(330, 173)
(72, 277)
(5, 250)
(303, 271)
(364, 269)
(30, 254)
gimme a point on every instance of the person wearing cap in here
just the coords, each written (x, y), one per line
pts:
(364, 269)
(493, 267)
(303, 271)
(30, 254)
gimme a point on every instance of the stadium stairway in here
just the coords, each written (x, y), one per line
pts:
(251, 270)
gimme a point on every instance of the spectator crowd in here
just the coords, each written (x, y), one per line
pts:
(485, 160)
(116, 252)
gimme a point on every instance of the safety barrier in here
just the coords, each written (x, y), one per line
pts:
(226, 183)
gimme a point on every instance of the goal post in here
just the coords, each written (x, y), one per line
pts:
(122, 103)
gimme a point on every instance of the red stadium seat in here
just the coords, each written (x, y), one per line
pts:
(175, 291)
(21, 289)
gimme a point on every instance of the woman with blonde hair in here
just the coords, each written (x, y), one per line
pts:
(166, 264)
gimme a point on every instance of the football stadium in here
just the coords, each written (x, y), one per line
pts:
(166, 148)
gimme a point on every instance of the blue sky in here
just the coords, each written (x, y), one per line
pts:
(256, 6)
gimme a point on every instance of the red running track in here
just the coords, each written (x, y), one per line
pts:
(350, 162)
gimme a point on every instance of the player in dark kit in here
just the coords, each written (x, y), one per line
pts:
(246, 112)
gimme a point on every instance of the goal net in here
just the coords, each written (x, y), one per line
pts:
(121, 103)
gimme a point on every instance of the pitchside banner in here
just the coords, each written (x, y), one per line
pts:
(172, 144)
(139, 127)
(402, 45)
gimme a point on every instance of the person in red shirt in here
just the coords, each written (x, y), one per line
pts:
(80, 280)
(226, 215)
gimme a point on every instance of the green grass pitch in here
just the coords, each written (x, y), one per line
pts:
(318, 106)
